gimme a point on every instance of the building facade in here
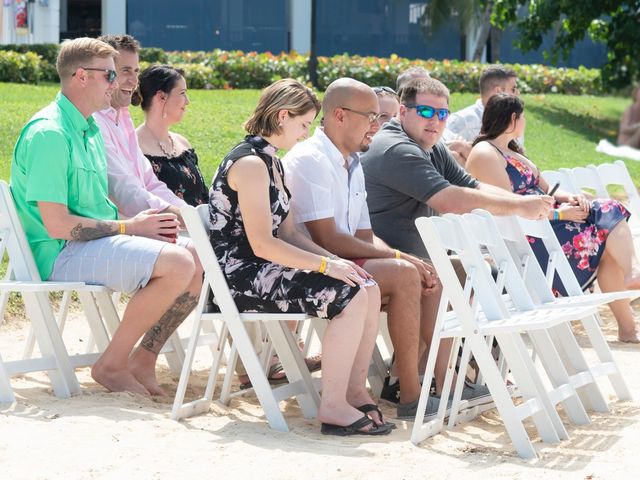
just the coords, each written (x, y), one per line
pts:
(363, 27)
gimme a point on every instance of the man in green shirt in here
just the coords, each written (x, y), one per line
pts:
(59, 184)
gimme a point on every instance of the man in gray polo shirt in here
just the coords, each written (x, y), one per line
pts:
(409, 173)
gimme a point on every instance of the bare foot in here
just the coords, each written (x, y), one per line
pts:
(362, 398)
(142, 365)
(634, 337)
(117, 380)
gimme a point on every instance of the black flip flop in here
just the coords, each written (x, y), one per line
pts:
(370, 407)
(355, 428)
(273, 370)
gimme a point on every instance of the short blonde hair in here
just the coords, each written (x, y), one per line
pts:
(286, 94)
(79, 52)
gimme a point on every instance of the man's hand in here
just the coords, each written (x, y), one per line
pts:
(150, 224)
(176, 211)
(428, 275)
(460, 146)
(535, 207)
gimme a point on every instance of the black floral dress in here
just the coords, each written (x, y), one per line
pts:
(182, 176)
(256, 284)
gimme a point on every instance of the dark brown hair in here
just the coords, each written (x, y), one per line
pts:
(152, 80)
(497, 118)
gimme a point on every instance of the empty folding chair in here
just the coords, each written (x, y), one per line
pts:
(587, 178)
(486, 316)
(515, 231)
(560, 176)
(300, 385)
(616, 173)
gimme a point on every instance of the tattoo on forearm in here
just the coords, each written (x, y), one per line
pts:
(156, 337)
(84, 234)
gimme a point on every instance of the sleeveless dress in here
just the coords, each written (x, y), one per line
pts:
(256, 284)
(582, 243)
(182, 176)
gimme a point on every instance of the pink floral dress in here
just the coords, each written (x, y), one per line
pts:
(582, 243)
(256, 284)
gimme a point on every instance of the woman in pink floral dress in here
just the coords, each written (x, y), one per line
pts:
(594, 234)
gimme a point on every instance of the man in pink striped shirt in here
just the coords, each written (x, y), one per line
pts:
(133, 186)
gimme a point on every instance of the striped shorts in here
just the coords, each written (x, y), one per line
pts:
(122, 263)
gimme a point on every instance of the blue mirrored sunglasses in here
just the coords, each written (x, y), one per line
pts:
(427, 111)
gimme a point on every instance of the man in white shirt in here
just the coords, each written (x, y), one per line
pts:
(464, 125)
(328, 202)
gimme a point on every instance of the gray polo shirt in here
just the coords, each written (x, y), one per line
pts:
(400, 178)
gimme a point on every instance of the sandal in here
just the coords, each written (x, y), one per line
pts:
(355, 428)
(370, 407)
(314, 363)
(275, 377)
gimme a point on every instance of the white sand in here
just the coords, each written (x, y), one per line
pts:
(101, 435)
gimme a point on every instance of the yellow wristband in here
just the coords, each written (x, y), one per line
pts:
(123, 228)
(397, 253)
(560, 215)
(323, 265)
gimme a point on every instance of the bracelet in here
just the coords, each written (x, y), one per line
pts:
(397, 254)
(560, 215)
(326, 272)
(323, 265)
(123, 228)
(556, 215)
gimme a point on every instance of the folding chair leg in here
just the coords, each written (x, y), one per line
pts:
(225, 391)
(557, 374)
(287, 349)
(63, 378)
(6, 392)
(98, 331)
(259, 381)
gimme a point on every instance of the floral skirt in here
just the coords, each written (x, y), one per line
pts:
(583, 243)
(261, 286)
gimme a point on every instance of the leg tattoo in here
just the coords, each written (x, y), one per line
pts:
(157, 335)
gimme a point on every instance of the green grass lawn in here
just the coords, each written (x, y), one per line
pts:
(562, 131)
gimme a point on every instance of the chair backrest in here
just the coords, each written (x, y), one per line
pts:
(560, 176)
(588, 178)
(616, 173)
(197, 222)
(447, 233)
(14, 240)
(515, 231)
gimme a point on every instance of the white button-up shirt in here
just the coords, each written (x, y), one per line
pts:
(322, 187)
(133, 186)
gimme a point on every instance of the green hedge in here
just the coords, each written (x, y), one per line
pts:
(235, 69)
(20, 67)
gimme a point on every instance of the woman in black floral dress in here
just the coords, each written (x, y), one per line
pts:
(162, 94)
(594, 233)
(271, 267)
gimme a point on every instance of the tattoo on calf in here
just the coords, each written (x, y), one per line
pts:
(84, 234)
(157, 335)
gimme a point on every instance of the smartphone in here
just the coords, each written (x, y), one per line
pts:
(553, 190)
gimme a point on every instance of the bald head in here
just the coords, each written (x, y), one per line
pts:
(346, 91)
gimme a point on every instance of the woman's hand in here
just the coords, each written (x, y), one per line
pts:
(573, 213)
(580, 201)
(346, 271)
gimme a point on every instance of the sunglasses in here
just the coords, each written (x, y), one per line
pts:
(425, 111)
(373, 117)
(385, 89)
(111, 74)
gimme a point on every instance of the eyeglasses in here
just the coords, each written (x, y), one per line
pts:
(373, 117)
(426, 111)
(385, 89)
(111, 74)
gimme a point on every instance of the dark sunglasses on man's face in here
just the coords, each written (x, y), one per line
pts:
(427, 111)
(110, 77)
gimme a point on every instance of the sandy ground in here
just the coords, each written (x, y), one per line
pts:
(103, 435)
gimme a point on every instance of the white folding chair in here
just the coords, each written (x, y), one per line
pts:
(301, 385)
(587, 178)
(560, 176)
(515, 230)
(25, 279)
(485, 317)
(616, 173)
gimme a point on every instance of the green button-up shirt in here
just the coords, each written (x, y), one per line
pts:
(59, 158)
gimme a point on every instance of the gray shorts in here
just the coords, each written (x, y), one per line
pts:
(122, 263)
